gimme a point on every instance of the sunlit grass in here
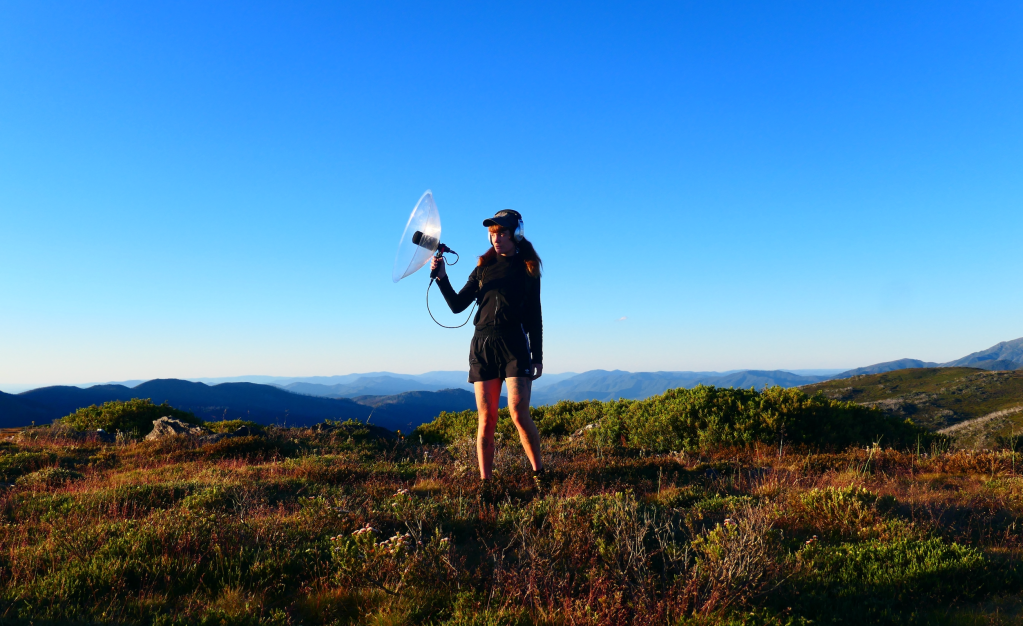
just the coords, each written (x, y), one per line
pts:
(303, 527)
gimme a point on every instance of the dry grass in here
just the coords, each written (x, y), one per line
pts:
(274, 531)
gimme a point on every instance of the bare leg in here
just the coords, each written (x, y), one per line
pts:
(488, 393)
(519, 390)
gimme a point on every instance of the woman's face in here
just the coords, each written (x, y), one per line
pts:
(503, 242)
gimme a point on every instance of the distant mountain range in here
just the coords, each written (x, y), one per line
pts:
(365, 386)
(402, 401)
(264, 404)
(605, 385)
(385, 384)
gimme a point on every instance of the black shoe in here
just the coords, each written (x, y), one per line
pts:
(487, 491)
(541, 481)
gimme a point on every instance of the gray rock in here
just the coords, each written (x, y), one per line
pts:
(582, 431)
(169, 427)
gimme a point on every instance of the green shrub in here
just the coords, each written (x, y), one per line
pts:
(566, 417)
(49, 476)
(250, 447)
(448, 427)
(692, 419)
(847, 511)
(19, 463)
(878, 581)
(358, 431)
(698, 418)
(229, 426)
(562, 418)
(134, 416)
(735, 561)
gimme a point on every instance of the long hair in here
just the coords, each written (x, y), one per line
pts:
(526, 249)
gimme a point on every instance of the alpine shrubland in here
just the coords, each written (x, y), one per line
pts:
(695, 419)
(134, 417)
(707, 506)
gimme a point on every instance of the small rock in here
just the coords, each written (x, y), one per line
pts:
(169, 426)
(582, 431)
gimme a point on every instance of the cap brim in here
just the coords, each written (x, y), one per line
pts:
(509, 223)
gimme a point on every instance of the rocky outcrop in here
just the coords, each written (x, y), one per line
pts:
(169, 427)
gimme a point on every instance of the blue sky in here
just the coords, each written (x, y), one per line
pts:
(198, 189)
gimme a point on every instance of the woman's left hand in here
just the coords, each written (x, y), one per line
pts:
(537, 370)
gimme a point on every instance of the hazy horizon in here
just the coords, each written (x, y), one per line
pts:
(18, 388)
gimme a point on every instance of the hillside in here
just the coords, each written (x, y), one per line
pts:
(975, 405)
(406, 411)
(336, 525)
(888, 366)
(17, 411)
(1004, 352)
(1007, 355)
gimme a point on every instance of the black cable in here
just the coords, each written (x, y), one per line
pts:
(431, 312)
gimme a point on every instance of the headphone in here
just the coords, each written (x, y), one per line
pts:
(520, 231)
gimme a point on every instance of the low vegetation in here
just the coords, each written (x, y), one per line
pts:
(694, 419)
(134, 417)
(709, 506)
(934, 398)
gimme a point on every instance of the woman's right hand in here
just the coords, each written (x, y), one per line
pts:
(438, 264)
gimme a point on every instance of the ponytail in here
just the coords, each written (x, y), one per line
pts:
(532, 259)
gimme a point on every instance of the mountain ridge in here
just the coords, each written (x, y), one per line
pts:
(402, 399)
(263, 404)
(1003, 356)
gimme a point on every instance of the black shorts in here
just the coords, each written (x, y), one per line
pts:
(499, 356)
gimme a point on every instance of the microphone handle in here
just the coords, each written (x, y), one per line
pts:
(434, 272)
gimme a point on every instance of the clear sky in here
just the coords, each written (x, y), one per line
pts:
(217, 188)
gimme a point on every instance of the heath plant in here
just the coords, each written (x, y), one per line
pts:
(702, 506)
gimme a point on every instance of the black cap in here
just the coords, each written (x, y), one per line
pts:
(506, 219)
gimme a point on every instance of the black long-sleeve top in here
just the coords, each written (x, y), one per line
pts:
(508, 299)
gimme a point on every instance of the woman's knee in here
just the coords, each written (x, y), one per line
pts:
(519, 409)
(487, 425)
(487, 421)
(521, 417)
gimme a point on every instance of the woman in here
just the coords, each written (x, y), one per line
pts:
(508, 342)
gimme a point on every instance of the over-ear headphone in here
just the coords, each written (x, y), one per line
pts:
(520, 230)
